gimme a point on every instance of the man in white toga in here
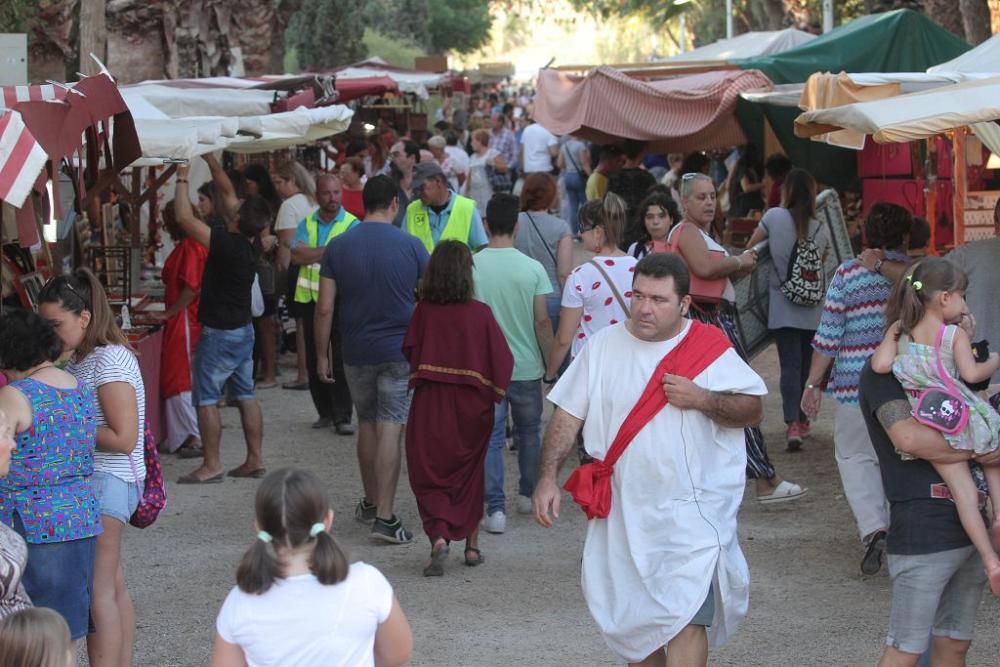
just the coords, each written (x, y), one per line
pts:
(665, 564)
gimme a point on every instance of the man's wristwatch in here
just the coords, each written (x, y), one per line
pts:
(548, 380)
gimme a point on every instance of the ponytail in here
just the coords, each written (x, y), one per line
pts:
(909, 298)
(798, 195)
(291, 509)
(258, 569)
(328, 561)
(614, 213)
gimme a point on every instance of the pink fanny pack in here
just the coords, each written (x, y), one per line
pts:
(942, 409)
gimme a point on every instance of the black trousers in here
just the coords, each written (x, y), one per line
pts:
(332, 401)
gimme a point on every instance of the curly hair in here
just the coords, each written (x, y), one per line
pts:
(887, 226)
(638, 230)
(448, 277)
(27, 340)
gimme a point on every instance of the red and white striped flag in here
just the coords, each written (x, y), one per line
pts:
(21, 159)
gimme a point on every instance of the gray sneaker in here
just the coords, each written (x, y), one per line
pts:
(391, 531)
(364, 511)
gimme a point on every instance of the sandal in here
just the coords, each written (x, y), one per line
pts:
(477, 559)
(438, 557)
(784, 492)
(188, 451)
(256, 473)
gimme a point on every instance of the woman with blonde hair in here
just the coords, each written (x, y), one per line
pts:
(708, 260)
(597, 293)
(298, 193)
(103, 360)
(483, 159)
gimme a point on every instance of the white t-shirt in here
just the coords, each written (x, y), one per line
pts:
(586, 288)
(115, 363)
(460, 157)
(293, 211)
(536, 140)
(301, 622)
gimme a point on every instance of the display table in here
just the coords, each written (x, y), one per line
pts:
(148, 345)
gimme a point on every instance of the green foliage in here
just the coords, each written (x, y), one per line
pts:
(461, 26)
(395, 50)
(327, 33)
(18, 15)
(437, 26)
(656, 11)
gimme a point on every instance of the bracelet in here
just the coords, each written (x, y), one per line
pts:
(878, 266)
(813, 386)
(182, 180)
(548, 380)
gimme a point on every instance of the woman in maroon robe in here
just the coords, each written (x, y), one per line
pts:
(460, 365)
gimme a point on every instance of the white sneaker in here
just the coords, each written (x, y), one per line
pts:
(525, 505)
(496, 523)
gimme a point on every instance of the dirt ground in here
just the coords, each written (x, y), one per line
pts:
(809, 603)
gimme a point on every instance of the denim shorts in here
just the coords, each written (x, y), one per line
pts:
(222, 355)
(60, 576)
(380, 392)
(935, 593)
(706, 613)
(116, 498)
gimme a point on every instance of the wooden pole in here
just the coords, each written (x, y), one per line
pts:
(959, 181)
(930, 185)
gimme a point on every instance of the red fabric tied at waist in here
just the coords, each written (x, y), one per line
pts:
(590, 484)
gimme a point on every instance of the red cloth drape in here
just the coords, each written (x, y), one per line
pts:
(183, 268)
(460, 365)
(590, 484)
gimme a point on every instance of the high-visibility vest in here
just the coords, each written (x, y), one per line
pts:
(418, 222)
(307, 286)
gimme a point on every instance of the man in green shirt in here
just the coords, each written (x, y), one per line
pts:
(515, 287)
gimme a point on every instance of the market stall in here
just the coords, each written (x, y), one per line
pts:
(958, 111)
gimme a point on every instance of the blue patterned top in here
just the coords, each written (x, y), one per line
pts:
(49, 483)
(852, 324)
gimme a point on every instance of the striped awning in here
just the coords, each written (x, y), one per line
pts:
(679, 114)
(21, 158)
(12, 95)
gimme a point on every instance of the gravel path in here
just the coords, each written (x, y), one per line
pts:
(809, 603)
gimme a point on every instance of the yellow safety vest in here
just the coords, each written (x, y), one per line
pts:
(307, 286)
(418, 222)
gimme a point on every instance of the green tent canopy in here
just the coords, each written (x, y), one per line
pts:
(896, 41)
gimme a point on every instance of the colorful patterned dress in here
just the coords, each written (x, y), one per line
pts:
(49, 484)
(916, 369)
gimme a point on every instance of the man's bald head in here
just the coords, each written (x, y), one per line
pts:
(329, 193)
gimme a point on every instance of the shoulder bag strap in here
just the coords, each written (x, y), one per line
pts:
(942, 371)
(569, 154)
(546, 245)
(614, 288)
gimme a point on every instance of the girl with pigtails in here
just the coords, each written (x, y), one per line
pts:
(298, 601)
(928, 348)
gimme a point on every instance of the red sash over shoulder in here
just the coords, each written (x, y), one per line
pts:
(590, 484)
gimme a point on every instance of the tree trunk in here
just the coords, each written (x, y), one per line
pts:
(976, 18)
(945, 13)
(93, 35)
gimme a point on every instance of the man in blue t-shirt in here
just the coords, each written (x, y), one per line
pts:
(372, 272)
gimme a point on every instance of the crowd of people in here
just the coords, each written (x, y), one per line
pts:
(439, 310)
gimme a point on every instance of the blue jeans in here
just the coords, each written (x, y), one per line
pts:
(577, 195)
(525, 401)
(794, 357)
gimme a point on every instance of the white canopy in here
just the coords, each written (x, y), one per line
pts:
(914, 116)
(409, 81)
(181, 123)
(747, 45)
